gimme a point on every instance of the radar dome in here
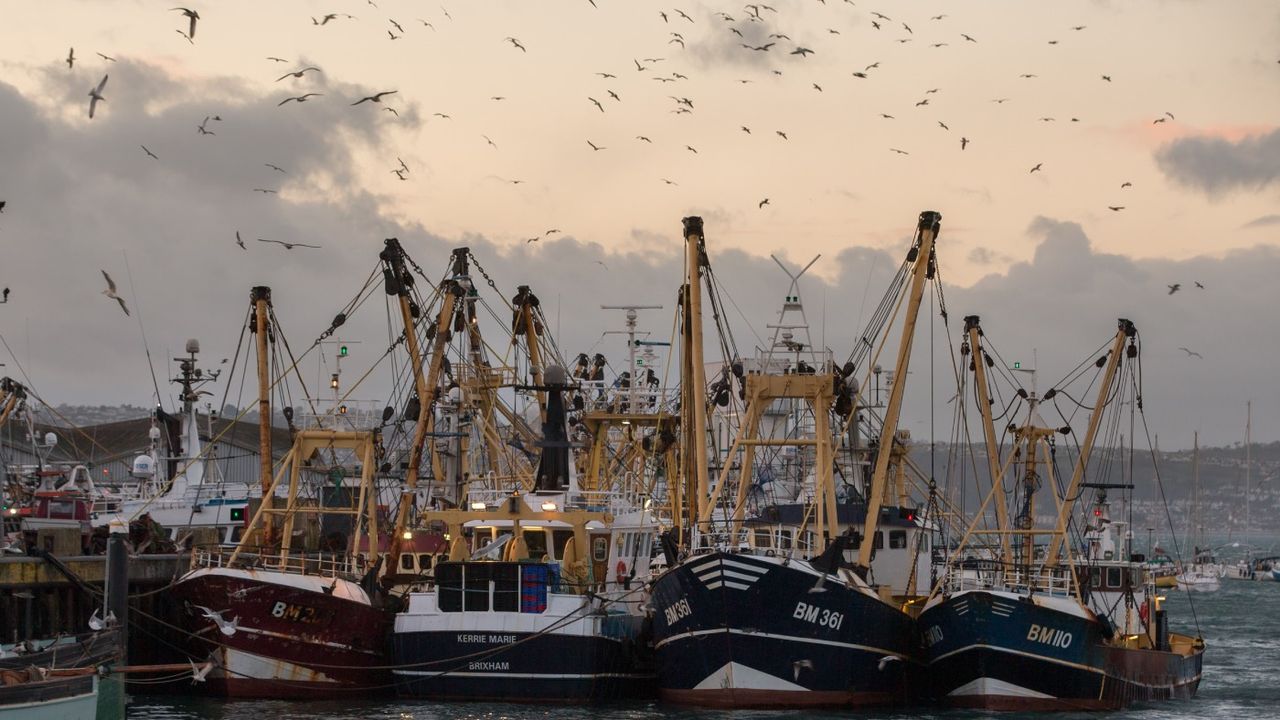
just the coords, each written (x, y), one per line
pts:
(555, 375)
(143, 466)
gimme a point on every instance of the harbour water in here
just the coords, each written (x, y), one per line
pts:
(1241, 680)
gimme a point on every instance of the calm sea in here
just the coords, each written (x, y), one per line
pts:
(1241, 679)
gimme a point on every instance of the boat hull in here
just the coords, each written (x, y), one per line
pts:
(291, 640)
(997, 651)
(68, 698)
(741, 631)
(592, 659)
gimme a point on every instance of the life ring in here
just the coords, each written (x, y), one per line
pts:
(621, 571)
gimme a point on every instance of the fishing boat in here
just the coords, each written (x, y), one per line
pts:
(283, 622)
(783, 607)
(1039, 626)
(72, 651)
(543, 596)
(34, 693)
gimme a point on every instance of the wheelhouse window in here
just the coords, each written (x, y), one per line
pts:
(536, 542)
(764, 538)
(560, 538)
(1114, 578)
(897, 539)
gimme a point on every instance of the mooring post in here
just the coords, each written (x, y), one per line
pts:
(118, 588)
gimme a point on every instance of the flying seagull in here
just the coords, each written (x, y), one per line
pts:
(900, 152)
(289, 246)
(298, 73)
(108, 58)
(762, 203)
(1125, 184)
(95, 95)
(111, 292)
(516, 43)
(191, 34)
(148, 152)
(963, 141)
(225, 627)
(71, 58)
(1191, 353)
(802, 51)
(594, 146)
(277, 168)
(1198, 284)
(1115, 208)
(300, 98)
(375, 98)
(1037, 167)
(596, 103)
(1175, 288)
(239, 241)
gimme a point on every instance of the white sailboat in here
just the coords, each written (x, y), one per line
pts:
(1203, 573)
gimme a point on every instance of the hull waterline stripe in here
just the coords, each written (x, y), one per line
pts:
(774, 636)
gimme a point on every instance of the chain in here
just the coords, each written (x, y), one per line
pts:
(486, 277)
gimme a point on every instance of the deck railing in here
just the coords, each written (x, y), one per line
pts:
(315, 564)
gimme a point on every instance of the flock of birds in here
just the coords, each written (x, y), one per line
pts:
(755, 32)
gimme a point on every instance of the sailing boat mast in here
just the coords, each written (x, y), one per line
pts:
(1248, 449)
(693, 405)
(922, 254)
(1197, 519)
(260, 297)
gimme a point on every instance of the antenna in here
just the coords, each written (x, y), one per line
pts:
(632, 343)
(784, 333)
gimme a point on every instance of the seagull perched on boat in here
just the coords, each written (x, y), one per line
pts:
(191, 34)
(1175, 288)
(227, 628)
(1191, 353)
(95, 95)
(111, 292)
(377, 97)
(288, 246)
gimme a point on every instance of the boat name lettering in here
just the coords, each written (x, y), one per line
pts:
(486, 639)
(932, 635)
(818, 615)
(489, 666)
(678, 611)
(297, 613)
(1049, 636)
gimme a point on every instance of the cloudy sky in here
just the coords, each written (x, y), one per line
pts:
(1182, 137)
